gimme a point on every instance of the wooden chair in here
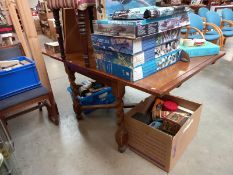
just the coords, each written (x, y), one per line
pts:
(30, 100)
(199, 29)
(214, 18)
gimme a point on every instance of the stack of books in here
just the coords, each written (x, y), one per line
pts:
(135, 49)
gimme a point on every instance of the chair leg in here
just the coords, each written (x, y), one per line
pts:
(3, 122)
(40, 106)
(52, 109)
(224, 41)
(214, 41)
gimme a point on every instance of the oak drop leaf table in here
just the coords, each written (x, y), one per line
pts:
(76, 54)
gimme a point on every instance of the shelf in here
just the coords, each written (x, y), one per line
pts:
(159, 83)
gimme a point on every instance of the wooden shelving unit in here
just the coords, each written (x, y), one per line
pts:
(46, 20)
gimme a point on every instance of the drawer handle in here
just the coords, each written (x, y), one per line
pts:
(188, 125)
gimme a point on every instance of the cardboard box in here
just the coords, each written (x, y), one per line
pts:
(157, 146)
(52, 47)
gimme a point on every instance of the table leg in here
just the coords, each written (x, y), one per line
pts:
(74, 87)
(71, 76)
(121, 133)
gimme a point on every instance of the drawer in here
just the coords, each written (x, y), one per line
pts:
(155, 145)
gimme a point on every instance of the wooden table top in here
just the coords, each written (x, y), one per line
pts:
(159, 83)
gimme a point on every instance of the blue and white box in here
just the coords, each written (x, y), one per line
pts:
(127, 60)
(168, 59)
(130, 74)
(139, 28)
(133, 46)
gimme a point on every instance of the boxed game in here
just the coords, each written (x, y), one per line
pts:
(127, 60)
(165, 11)
(175, 22)
(106, 8)
(130, 74)
(133, 46)
(207, 49)
(148, 12)
(167, 36)
(167, 59)
(139, 28)
(166, 48)
(122, 45)
(129, 31)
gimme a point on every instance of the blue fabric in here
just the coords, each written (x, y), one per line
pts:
(227, 29)
(23, 97)
(202, 12)
(207, 37)
(227, 33)
(213, 32)
(195, 21)
(196, 36)
(183, 30)
(213, 17)
(227, 14)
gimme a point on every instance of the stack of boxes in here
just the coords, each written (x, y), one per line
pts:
(135, 49)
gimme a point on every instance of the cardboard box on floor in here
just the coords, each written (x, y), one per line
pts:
(52, 47)
(157, 146)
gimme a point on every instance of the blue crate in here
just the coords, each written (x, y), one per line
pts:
(19, 79)
(103, 96)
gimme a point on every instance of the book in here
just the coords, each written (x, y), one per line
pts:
(207, 49)
(133, 46)
(139, 28)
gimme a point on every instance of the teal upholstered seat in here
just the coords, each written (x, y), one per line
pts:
(213, 17)
(202, 12)
(227, 14)
(197, 22)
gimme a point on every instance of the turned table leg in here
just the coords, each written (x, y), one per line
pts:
(71, 74)
(121, 133)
